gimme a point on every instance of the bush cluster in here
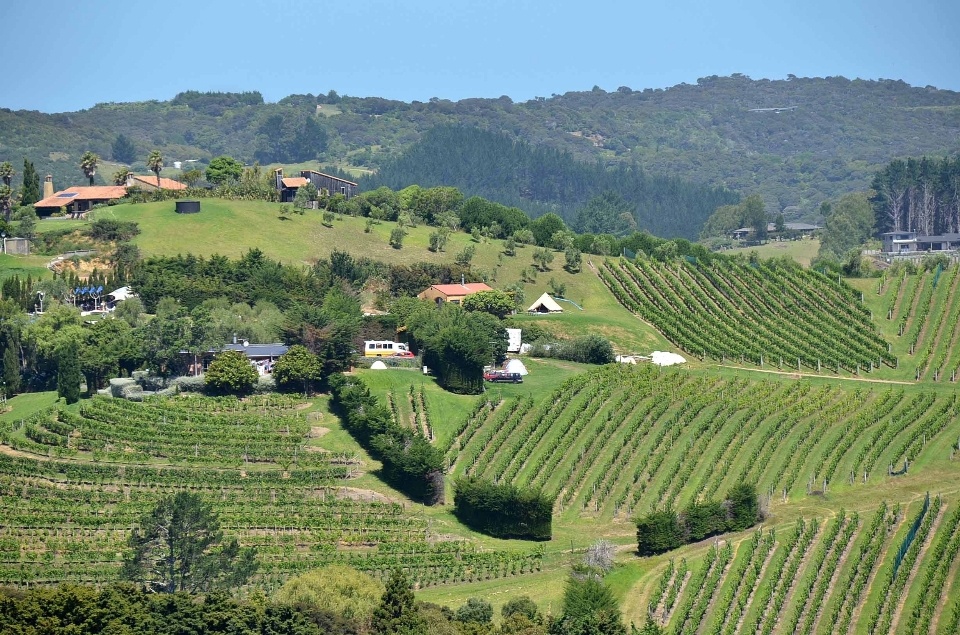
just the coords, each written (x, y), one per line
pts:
(409, 461)
(590, 349)
(504, 510)
(665, 530)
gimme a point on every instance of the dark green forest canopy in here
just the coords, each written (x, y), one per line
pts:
(830, 145)
(542, 180)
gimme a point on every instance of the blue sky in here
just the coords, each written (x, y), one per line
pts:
(67, 55)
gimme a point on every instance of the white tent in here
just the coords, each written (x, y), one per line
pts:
(378, 365)
(120, 294)
(545, 304)
(661, 358)
(516, 366)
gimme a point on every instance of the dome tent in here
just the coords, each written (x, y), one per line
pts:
(378, 365)
(515, 366)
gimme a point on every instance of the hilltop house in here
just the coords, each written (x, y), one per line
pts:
(80, 199)
(904, 242)
(288, 186)
(454, 293)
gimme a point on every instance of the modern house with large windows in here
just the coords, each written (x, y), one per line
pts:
(904, 242)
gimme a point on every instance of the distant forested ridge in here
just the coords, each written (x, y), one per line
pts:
(541, 180)
(840, 133)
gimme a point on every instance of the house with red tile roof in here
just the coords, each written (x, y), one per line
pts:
(80, 198)
(454, 293)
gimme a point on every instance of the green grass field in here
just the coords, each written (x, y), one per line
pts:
(23, 266)
(803, 251)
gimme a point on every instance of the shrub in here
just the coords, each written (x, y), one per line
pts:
(524, 606)
(504, 510)
(231, 373)
(110, 229)
(666, 530)
(590, 349)
(475, 610)
(188, 383)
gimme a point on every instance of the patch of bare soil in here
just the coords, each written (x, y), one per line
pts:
(318, 431)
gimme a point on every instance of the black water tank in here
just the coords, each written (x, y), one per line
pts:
(188, 207)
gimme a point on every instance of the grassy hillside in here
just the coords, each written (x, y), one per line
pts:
(803, 251)
(232, 227)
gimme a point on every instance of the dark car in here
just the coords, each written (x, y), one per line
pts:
(503, 376)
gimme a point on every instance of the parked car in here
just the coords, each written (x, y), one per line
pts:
(404, 354)
(502, 376)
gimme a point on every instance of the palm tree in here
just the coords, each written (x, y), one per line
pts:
(88, 163)
(6, 172)
(155, 163)
(120, 176)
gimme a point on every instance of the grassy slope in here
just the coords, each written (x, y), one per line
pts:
(232, 227)
(803, 251)
(23, 266)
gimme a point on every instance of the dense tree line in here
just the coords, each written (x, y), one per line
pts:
(540, 180)
(667, 529)
(409, 461)
(503, 510)
(921, 195)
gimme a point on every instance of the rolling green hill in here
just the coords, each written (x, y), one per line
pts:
(703, 132)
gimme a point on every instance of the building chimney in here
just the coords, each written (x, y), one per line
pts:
(234, 338)
(462, 281)
(48, 186)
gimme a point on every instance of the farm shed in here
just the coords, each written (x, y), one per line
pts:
(288, 186)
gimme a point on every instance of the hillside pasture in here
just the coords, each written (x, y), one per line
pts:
(231, 228)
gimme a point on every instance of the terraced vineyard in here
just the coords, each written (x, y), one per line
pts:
(623, 440)
(889, 571)
(772, 317)
(69, 499)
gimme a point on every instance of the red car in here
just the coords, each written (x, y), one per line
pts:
(502, 376)
(404, 354)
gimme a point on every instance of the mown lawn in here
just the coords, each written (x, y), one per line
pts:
(23, 266)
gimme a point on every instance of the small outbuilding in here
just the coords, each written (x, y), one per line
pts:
(545, 304)
(453, 293)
